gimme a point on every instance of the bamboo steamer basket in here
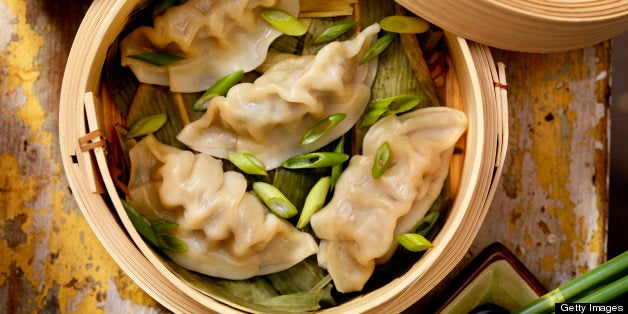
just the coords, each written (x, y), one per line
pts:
(527, 25)
(477, 81)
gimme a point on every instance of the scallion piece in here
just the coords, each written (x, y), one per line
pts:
(275, 200)
(248, 163)
(284, 22)
(220, 88)
(413, 242)
(377, 47)
(382, 159)
(315, 160)
(153, 231)
(171, 243)
(321, 128)
(314, 201)
(404, 24)
(141, 224)
(333, 32)
(387, 106)
(163, 225)
(147, 125)
(401, 104)
(336, 170)
(159, 58)
(608, 272)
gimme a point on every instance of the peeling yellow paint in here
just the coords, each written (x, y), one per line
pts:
(24, 69)
(53, 247)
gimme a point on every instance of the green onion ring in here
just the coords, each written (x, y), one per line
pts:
(314, 201)
(321, 128)
(413, 242)
(248, 163)
(382, 159)
(275, 200)
(315, 160)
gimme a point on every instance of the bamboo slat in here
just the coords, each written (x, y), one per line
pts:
(527, 25)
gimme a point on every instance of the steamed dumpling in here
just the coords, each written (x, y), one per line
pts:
(267, 118)
(215, 37)
(229, 232)
(358, 226)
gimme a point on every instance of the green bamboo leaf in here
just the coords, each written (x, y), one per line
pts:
(141, 224)
(275, 200)
(315, 160)
(333, 32)
(321, 128)
(158, 58)
(413, 242)
(163, 225)
(147, 125)
(171, 243)
(404, 24)
(248, 163)
(314, 201)
(284, 22)
(378, 47)
(295, 302)
(382, 159)
(220, 88)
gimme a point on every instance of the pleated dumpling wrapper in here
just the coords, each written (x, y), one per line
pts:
(229, 231)
(358, 226)
(215, 38)
(269, 117)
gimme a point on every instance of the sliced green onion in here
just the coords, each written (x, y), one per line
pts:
(314, 201)
(602, 275)
(413, 242)
(159, 58)
(147, 125)
(404, 24)
(220, 88)
(275, 200)
(336, 170)
(162, 6)
(373, 116)
(401, 104)
(171, 243)
(141, 224)
(284, 22)
(315, 160)
(321, 128)
(377, 47)
(248, 163)
(333, 32)
(427, 223)
(382, 159)
(390, 105)
(163, 225)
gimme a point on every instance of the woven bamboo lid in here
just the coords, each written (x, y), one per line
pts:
(527, 25)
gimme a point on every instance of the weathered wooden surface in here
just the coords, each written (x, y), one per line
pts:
(550, 209)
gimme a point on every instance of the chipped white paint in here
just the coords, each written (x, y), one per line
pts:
(7, 24)
(114, 303)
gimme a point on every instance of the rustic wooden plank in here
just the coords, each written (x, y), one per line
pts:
(552, 205)
(51, 261)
